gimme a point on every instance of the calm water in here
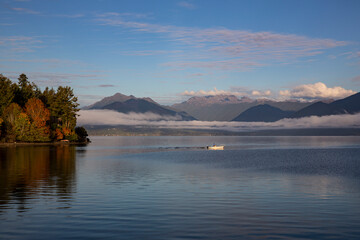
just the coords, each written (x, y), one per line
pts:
(172, 188)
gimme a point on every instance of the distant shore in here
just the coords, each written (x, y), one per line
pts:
(42, 143)
(148, 131)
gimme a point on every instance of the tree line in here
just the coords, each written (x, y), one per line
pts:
(28, 114)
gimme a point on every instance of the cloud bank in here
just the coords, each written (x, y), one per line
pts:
(108, 117)
(316, 91)
(239, 93)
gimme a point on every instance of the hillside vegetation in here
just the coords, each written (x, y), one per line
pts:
(28, 114)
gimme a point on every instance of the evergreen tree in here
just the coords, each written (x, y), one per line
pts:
(65, 107)
(48, 97)
(81, 133)
(25, 90)
(7, 93)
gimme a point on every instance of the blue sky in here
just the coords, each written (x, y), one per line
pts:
(172, 50)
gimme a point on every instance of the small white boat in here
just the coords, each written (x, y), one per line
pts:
(214, 147)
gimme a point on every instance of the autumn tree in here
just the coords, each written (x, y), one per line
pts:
(1, 126)
(48, 97)
(39, 116)
(10, 115)
(22, 127)
(28, 114)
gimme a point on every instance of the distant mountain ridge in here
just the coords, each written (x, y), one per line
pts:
(217, 108)
(349, 105)
(215, 99)
(126, 104)
(117, 97)
(267, 113)
(262, 113)
(230, 108)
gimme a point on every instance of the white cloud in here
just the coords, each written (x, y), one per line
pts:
(239, 92)
(316, 91)
(257, 93)
(213, 92)
(108, 117)
(25, 10)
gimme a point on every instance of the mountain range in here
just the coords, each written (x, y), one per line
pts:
(126, 104)
(262, 113)
(267, 113)
(218, 108)
(230, 108)
(349, 105)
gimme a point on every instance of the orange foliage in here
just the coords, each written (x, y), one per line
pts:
(59, 134)
(1, 121)
(36, 110)
(66, 131)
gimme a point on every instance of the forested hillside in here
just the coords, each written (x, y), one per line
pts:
(28, 114)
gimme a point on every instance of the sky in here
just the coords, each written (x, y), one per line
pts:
(171, 50)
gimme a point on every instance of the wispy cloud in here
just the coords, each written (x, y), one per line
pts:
(122, 14)
(97, 86)
(228, 49)
(186, 4)
(24, 10)
(30, 11)
(108, 117)
(7, 24)
(45, 60)
(54, 79)
(75, 15)
(316, 91)
(151, 52)
(106, 85)
(21, 43)
(356, 79)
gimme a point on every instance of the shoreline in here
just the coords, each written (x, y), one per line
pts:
(42, 144)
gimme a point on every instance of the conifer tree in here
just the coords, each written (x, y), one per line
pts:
(7, 93)
(65, 107)
(25, 90)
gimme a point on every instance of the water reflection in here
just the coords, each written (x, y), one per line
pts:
(28, 172)
(160, 188)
